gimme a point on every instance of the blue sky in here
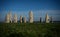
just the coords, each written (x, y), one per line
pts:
(38, 7)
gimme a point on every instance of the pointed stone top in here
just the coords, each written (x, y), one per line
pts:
(30, 12)
(15, 15)
(46, 14)
(9, 13)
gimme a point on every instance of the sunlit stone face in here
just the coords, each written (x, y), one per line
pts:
(47, 19)
(30, 17)
(15, 18)
(20, 19)
(8, 18)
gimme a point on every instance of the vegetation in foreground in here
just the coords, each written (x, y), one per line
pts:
(29, 30)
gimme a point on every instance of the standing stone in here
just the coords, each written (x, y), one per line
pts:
(7, 18)
(20, 19)
(15, 18)
(24, 19)
(47, 20)
(30, 17)
(10, 17)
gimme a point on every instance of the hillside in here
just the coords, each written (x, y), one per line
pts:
(29, 30)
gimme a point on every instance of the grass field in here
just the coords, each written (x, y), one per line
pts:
(29, 30)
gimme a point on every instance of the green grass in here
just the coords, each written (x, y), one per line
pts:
(29, 30)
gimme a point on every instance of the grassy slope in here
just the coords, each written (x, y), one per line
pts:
(29, 30)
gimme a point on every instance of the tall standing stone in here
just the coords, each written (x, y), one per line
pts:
(30, 17)
(7, 19)
(20, 19)
(24, 19)
(10, 17)
(47, 20)
(15, 18)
